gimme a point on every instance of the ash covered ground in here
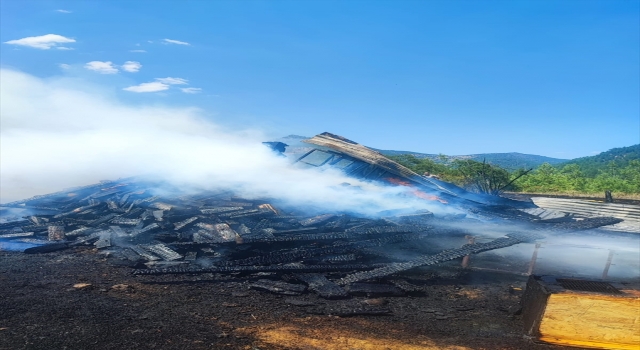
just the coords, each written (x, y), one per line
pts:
(112, 309)
(115, 265)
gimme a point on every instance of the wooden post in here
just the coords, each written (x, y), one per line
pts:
(607, 197)
(534, 257)
(606, 267)
(55, 233)
(465, 260)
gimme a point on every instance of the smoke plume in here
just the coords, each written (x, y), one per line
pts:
(60, 133)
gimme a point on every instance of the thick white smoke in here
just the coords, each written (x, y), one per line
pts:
(63, 133)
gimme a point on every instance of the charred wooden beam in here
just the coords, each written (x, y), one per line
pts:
(278, 287)
(103, 219)
(148, 228)
(446, 255)
(76, 210)
(218, 210)
(103, 193)
(46, 248)
(374, 290)
(388, 229)
(316, 220)
(342, 258)
(124, 221)
(229, 203)
(297, 254)
(105, 240)
(87, 239)
(180, 225)
(305, 230)
(82, 231)
(163, 251)
(322, 286)
(131, 255)
(143, 253)
(56, 194)
(240, 213)
(10, 225)
(307, 237)
(16, 235)
(252, 269)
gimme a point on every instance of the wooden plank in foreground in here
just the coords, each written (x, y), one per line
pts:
(582, 313)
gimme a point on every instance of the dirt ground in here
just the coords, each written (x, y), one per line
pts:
(41, 309)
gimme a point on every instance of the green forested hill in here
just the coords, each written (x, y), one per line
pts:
(514, 160)
(509, 161)
(617, 170)
(618, 157)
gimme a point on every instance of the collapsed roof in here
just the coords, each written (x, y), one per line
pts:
(356, 160)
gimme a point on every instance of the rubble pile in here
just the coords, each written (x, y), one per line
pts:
(156, 229)
(217, 232)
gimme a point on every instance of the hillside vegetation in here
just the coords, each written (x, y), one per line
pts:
(621, 157)
(617, 170)
(510, 161)
(514, 161)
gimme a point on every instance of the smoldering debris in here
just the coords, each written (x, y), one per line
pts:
(289, 252)
(156, 229)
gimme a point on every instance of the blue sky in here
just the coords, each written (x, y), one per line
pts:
(555, 78)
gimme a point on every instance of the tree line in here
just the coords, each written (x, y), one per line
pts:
(487, 178)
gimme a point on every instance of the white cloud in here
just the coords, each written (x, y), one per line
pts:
(177, 42)
(64, 48)
(172, 81)
(131, 66)
(43, 42)
(137, 50)
(191, 90)
(102, 67)
(153, 86)
(64, 66)
(63, 11)
(161, 84)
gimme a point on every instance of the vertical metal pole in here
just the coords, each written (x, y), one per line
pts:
(465, 260)
(534, 257)
(606, 267)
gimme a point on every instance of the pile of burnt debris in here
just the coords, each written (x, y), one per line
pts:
(334, 255)
(223, 234)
